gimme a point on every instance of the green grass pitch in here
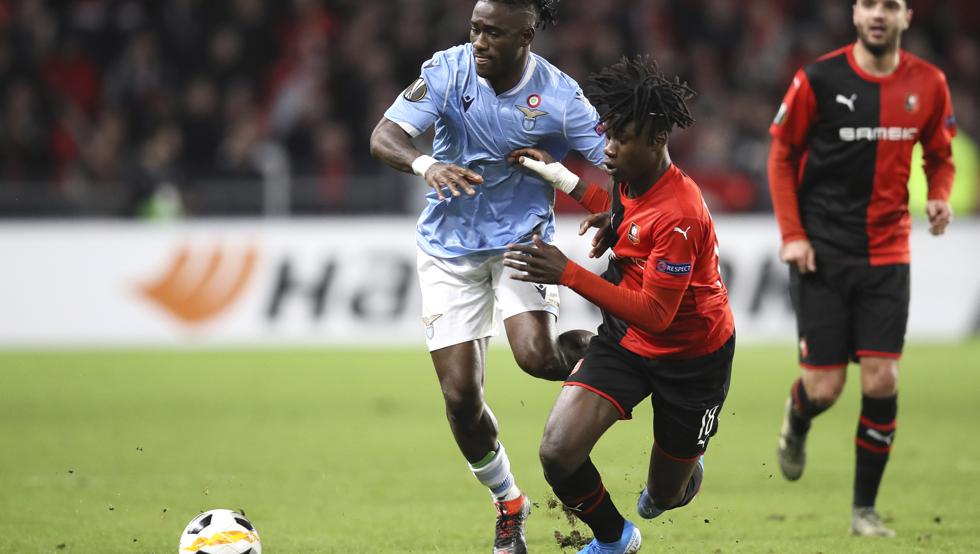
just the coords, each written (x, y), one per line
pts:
(349, 451)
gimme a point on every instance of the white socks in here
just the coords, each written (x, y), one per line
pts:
(494, 472)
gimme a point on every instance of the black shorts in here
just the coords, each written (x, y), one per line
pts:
(687, 395)
(844, 312)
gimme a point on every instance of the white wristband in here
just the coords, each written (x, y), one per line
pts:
(422, 164)
(566, 181)
(555, 173)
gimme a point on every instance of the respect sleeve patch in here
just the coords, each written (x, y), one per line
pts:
(672, 268)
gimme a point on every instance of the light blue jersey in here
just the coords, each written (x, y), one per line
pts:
(476, 129)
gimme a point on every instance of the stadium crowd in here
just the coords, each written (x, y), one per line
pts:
(110, 106)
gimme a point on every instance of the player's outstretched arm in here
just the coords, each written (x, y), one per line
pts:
(392, 145)
(556, 174)
(651, 309)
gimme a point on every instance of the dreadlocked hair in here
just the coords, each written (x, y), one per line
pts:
(637, 91)
(547, 10)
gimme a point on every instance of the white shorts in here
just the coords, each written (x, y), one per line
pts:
(461, 296)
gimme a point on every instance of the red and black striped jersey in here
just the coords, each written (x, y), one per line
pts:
(841, 158)
(665, 244)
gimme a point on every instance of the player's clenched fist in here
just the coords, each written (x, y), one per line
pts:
(940, 215)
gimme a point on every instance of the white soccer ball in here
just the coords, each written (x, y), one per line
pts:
(220, 532)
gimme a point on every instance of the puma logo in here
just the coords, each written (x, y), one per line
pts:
(881, 437)
(683, 232)
(849, 102)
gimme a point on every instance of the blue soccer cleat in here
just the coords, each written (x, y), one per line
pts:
(648, 510)
(629, 543)
(645, 506)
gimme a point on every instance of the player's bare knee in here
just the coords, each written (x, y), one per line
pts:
(557, 460)
(824, 390)
(573, 344)
(463, 404)
(825, 396)
(879, 377)
(537, 360)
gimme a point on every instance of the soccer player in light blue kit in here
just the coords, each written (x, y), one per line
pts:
(487, 99)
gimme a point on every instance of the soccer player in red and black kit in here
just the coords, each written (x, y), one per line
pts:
(667, 331)
(838, 173)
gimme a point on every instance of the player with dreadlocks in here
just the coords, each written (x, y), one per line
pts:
(667, 329)
(484, 97)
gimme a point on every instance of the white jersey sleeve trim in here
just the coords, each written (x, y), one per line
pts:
(408, 128)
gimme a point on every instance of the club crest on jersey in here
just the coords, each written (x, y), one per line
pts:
(600, 129)
(430, 330)
(531, 111)
(912, 102)
(416, 91)
(634, 233)
(671, 268)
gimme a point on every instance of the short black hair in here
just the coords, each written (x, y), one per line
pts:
(637, 91)
(546, 10)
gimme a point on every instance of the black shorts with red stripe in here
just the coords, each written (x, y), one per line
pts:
(687, 395)
(846, 311)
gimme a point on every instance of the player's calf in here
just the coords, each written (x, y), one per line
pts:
(473, 424)
(873, 443)
(584, 495)
(649, 505)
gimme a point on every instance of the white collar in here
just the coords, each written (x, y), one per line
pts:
(532, 64)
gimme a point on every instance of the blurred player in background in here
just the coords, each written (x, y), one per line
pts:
(838, 172)
(486, 98)
(667, 329)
